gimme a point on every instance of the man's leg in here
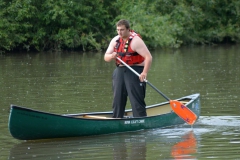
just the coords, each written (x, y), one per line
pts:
(119, 93)
(136, 91)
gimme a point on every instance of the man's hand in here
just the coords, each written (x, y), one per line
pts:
(114, 55)
(143, 77)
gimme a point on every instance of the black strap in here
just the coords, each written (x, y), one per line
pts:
(118, 43)
(122, 54)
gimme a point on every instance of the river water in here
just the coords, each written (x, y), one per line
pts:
(81, 82)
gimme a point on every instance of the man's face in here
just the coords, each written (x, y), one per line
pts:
(122, 31)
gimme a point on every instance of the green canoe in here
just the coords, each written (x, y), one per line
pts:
(28, 124)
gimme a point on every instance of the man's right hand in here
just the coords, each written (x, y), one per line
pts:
(114, 55)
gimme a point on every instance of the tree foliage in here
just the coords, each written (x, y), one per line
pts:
(171, 23)
(89, 25)
(53, 24)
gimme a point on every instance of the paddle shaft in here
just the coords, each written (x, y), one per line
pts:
(144, 79)
(185, 113)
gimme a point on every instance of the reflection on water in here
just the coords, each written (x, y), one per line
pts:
(104, 147)
(132, 146)
(186, 148)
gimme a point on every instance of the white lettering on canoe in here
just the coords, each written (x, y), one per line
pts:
(126, 122)
(134, 121)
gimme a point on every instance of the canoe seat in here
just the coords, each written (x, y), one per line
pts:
(128, 117)
(102, 117)
(96, 117)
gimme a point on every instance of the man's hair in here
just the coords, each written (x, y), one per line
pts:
(123, 22)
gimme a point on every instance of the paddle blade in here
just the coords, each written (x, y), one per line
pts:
(182, 111)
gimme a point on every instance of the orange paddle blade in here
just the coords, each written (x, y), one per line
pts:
(182, 111)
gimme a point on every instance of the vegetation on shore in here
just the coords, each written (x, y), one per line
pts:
(42, 25)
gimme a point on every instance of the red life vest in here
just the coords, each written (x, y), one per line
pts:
(125, 52)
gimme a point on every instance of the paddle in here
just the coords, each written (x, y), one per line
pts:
(181, 110)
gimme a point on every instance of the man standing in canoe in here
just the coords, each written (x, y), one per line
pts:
(129, 47)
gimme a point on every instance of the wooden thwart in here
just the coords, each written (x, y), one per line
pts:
(96, 117)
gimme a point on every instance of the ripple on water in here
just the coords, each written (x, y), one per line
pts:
(231, 121)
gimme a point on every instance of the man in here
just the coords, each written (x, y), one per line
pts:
(128, 46)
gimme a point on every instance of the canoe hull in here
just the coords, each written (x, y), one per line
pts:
(28, 124)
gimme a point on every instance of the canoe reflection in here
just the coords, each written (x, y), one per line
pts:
(117, 147)
(134, 145)
(133, 148)
(186, 148)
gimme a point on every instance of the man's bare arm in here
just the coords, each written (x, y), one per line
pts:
(110, 54)
(139, 46)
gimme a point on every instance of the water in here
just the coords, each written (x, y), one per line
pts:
(74, 82)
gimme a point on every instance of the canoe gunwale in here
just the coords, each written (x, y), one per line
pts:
(106, 112)
(130, 110)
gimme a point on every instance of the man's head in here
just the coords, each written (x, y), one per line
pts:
(123, 28)
(123, 22)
